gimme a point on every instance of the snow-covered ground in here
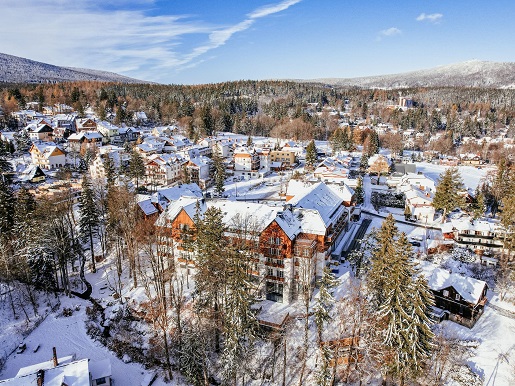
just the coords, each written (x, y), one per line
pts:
(471, 175)
(68, 335)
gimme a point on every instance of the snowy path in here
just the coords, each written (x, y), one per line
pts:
(502, 311)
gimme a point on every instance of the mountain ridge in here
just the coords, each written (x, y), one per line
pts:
(15, 69)
(472, 73)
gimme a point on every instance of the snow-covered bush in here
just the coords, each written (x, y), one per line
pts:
(464, 255)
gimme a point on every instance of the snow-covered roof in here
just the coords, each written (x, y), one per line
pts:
(72, 373)
(43, 365)
(100, 369)
(469, 288)
(321, 198)
(147, 207)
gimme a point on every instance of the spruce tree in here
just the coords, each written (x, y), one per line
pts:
(89, 220)
(446, 195)
(218, 172)
(478, 205)
(7, 203)
(311, 155)
(359, 194)
(136, 167)
(381, 257)
(336, 141)
(322, 314)
(402, 302)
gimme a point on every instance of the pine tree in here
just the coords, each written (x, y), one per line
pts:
(109, 171)
(402, 301)
(7, 203)
(383, 253)
(363, 165)
(337, 141)
(89, 220)
(136, 167)
(5, 165)
(322, 310)
(311, 155)
(359, 194)
(218, 172)
(210, 279)
(478, 205)
(446, 196)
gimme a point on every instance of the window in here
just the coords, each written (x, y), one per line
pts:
(446, 293)
(101, 381)
(270, 272)
(280, 273)
(457, 296)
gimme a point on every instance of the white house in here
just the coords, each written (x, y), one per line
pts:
(47, 155)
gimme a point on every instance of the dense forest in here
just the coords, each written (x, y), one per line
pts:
(273, 108)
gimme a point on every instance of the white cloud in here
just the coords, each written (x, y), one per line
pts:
(432, 17)
(82, 34)
(390, 32)
(272, 8)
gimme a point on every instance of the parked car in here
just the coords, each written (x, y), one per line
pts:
(21, 348)
(415, 243)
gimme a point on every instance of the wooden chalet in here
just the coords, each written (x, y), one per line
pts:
(458, 298)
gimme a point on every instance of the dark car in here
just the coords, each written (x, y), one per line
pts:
(415, 243)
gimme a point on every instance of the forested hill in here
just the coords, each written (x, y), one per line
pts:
(14, 69)
(472, 73)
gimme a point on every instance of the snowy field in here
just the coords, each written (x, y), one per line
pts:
(471, 175)
(68, 335)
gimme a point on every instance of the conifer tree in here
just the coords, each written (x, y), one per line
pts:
(210, 278)
(478, 206)
(322, 309)
(446, 195)
(359, 194)
(7, 202)
(311, 155)
(403, 301)
(337, 141)
(89, 220)
(363, 165)
(136, 167)
(383, 253)
(218, 172)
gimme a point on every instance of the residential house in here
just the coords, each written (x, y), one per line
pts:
(197, 171)
(290, 245)
(286, 158)
(109, 131)
(32, 173)
(378, 164)
(40, 132)
(246, 164)
(85, 139)
(481, 236)
(457, 297)
(85, 124)
(163, 169)
(116, 154)
(47, 155)
(64, 371)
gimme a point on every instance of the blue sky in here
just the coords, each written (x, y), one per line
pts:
(207, 41)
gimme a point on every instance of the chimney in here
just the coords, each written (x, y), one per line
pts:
(40, 377)
(54, 357)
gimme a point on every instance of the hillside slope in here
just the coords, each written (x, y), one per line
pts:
(14, 69)
(472, 73)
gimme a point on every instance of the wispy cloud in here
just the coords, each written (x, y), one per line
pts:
(431, 17)
(272, 8)
(84, 33)
(392, 31)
